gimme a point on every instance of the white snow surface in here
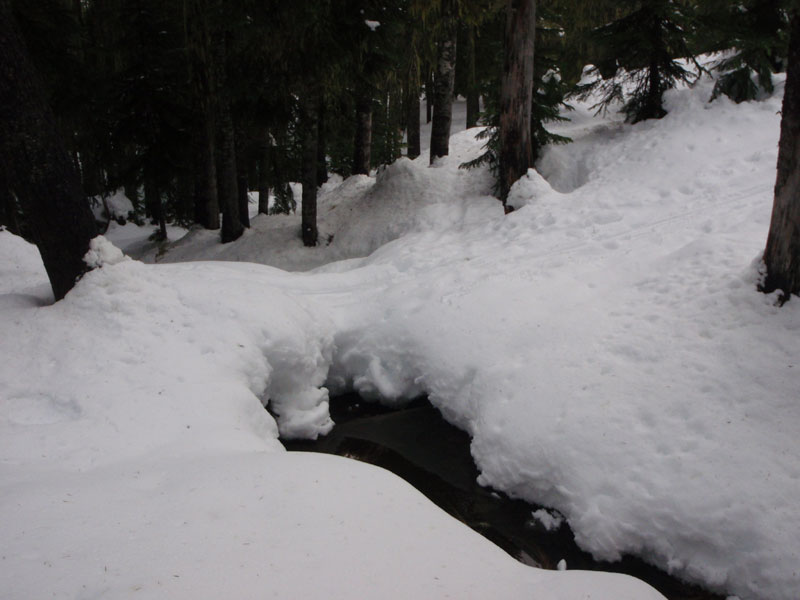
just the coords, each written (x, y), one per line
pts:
(604, 345)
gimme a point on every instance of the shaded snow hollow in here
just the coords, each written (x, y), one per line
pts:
(603, 345)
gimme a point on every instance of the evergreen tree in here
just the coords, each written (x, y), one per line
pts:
(36, 166)
(516, 92)
(644, 46)
(755, 34)
(782, 254)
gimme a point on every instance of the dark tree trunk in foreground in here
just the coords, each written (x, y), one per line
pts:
(205, 177)
(362, 146)
(516, 92)
(782, 255)
(310, 124)
(412, 116)
(199, 50)
(152, 199)
(429, 97)
(37, 166)
(444, 82)
(263, 174)
(322, 157)
(227, 185)
(242, 183)
(473, 98)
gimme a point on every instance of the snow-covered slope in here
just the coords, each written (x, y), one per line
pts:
(604, 344)
(136, 459)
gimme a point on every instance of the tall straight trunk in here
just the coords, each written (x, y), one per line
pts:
(429, 96)
(322, 158)
(205, 177)
(473, 99)
(362, 144)
(516, 93)
(185, 194)
(232, 227)
(227, 185)
(201, 69)
(263, 173)
(242, 183)
(782, 255)
(37, 166)
(310, 128)
(91, 173)
(412, 115)
(152, 198)
(444, 83)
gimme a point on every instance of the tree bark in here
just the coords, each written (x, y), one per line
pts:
(516, 93)
(205, 177)
(429, 97)
(322, 157)
(362, 144)
(263, 173)
(782, 255)
(37, 165)
(412, 116)
(232, 227)
(242, 183)
(310, 125)
(198, 44)
(473, 98)
(152, 198)
(444, 82)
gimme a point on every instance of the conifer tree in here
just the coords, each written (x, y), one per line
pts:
(516, 93)
(754, 33)
(643, 45)
(782, 254)
(36, 166)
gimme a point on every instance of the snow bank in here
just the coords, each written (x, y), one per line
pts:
(604, 345)
(136, 459)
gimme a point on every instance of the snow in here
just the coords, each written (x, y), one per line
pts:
(604, 345)
(550, 520)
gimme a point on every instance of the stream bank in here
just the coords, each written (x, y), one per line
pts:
(417, 444)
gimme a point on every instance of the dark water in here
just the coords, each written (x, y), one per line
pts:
(417, 444)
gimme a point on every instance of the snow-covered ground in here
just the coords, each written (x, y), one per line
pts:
(604, 346)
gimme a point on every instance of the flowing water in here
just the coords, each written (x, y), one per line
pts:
(417, 444)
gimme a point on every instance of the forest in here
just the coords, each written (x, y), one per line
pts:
(571, 230)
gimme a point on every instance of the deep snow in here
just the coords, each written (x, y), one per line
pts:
(604, 345)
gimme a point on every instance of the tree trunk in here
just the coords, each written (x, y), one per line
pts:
(37, 166)
(412, 115)
(782, 255)
(473, 99)
(242, 183)
(263, 174)
(310, 126)
(429, 97)
(152, 198)
(232, 228)
(198, 45)
(205, 177)
(322, 157)
(516, 93)
(444, 82)
(362, 145)
(9, 211)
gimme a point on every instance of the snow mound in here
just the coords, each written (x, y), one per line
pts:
(102, 252)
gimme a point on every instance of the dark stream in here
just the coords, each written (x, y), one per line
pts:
(417, 444)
